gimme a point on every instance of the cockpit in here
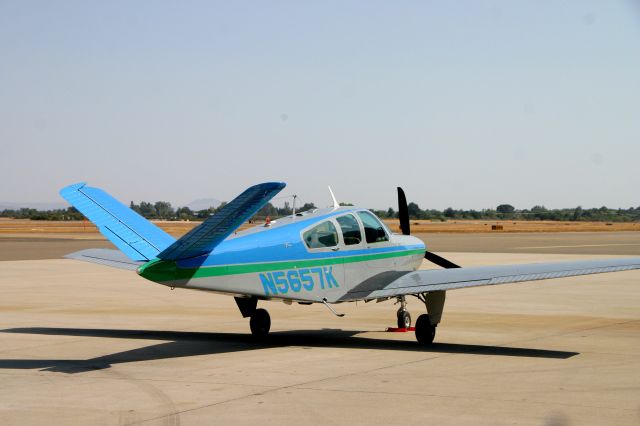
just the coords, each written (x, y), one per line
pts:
(351, 230)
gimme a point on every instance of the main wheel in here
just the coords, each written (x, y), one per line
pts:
(425, 331)
(260, 323)
(404, 319)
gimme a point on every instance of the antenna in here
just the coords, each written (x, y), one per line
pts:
(294, 206)
(333, 197)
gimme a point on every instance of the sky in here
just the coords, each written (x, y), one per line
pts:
(465, 104)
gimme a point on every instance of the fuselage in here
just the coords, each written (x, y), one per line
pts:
(314, 256)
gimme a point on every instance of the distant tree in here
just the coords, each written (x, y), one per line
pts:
(307, 206)
(539, 213)
(73, 214)
(205, 213)
(577, 213)
(184, 213)
(505, 209)
(415, 212)
(287, 210)
(148, 210)
(164, 209)
(380, 213)
(267, 210)
(474, 214)
(136, 208)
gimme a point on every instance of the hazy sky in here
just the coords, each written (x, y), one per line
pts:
(466, 104)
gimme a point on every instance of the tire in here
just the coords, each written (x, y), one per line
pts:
(425, 331)
(260, 323)
(404, 319)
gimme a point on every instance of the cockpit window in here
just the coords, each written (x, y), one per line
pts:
(350, 229)
(373, 229)
(322, 235)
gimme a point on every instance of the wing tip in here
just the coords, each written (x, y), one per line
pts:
(71, 188)
(272, 185)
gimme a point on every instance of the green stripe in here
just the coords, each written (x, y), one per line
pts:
(167, 271)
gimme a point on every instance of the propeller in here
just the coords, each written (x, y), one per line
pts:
(405, 227)
(403, 213)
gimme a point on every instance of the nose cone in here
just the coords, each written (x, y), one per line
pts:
(417, 241)
(409, 240)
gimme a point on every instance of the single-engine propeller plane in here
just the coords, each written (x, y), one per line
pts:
(329, 256)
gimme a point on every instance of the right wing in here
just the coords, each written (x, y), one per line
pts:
(424, 281)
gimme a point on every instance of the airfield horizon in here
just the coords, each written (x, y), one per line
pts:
(85, 229)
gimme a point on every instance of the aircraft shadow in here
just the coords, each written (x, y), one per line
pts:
(183, 344)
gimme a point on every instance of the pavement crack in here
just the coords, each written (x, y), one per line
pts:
(465, 397)
(295, 385)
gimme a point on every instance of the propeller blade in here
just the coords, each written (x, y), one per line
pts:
(403, 213)
(440, 261)
(405, 227)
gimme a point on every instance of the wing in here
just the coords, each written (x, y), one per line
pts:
(108, 257)
(205, 237)
(424, 281)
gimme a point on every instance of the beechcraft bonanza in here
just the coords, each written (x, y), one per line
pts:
(328, 256)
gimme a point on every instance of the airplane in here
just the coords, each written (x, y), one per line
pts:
(329, 256)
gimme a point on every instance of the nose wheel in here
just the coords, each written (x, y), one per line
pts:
(404, 318)
(260, 323)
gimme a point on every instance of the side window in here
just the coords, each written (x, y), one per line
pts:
(373, 229)
(350, 229)
(322, 235)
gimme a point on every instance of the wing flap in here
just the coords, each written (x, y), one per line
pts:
(424, 281)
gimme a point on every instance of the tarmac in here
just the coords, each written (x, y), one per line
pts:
(86, 344)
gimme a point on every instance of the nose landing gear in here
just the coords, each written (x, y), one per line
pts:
(404, 318)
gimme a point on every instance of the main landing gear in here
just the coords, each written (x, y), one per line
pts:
(426, 324)
(425, 331)
(260, 321)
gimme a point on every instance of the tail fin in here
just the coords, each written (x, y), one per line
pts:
(138, 238)
(205, 237)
